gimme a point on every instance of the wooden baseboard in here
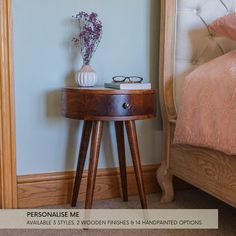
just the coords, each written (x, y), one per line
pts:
(40, 190)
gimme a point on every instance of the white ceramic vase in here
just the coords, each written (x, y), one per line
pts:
(86, 76)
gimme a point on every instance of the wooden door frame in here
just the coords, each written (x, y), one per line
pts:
(8, 185)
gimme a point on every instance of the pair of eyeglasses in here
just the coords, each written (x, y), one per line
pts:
(127, 79)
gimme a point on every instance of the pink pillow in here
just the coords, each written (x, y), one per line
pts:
(225, 26)
(207, 111)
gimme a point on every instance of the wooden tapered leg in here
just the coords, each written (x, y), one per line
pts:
(93, 162)
(133, 142)
(121, 153)
(81, 159)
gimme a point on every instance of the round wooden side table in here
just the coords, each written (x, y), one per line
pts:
(96, 105)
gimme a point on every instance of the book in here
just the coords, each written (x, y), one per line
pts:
(128, 86)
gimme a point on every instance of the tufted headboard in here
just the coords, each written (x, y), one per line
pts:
(187, 42)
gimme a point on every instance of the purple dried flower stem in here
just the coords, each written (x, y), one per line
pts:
(90, 33)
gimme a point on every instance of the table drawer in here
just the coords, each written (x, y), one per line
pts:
(94, 106)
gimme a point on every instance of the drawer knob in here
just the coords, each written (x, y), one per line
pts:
(126, 105)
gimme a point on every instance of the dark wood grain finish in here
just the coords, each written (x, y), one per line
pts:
(119, 125)
(93, 162)
(107, 91)
(108, 104)
(133, 142)
(81, 160)
(98, 105)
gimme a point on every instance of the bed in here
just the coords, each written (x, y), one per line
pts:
(186, 43)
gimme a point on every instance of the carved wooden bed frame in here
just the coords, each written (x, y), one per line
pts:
(211, 171)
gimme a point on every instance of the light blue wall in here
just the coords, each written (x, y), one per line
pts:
(45, 61)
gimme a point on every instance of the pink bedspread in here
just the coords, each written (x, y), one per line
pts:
(207, 112)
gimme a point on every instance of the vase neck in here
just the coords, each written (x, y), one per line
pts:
(87, 68)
